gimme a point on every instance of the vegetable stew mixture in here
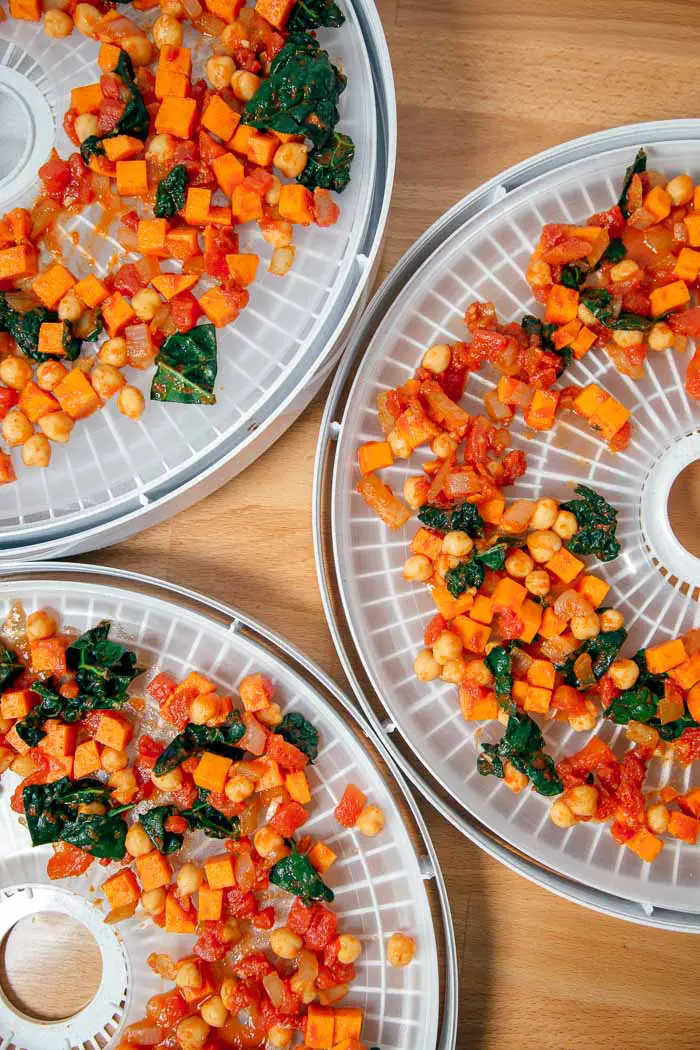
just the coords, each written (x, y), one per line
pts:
(522, 627)
(178, 165)
(269, 966)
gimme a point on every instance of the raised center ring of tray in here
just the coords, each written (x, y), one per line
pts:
(26, 122)
(653, 580)
(99, 1020)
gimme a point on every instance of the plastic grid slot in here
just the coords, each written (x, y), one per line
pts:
(486, 259)
(378, 883)
(111, 460)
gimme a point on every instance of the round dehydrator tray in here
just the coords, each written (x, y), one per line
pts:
(479, 251)
(389, 883)
(117, 476)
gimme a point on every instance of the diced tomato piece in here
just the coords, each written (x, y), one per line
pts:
(607, 690)
(186, 795)
(67, 861)
(55, 175)
(687, 748)
(8, 399)
(342, 973)
(264, 919)
(514, 466)
(162, 686)
(611, 220)
(79, 190)
(286, 754)
(239, 905)
(69, 119)
(322, 928)
(350, 806)
(208, 946)
(622, 833)
(146, 84)
(289, 817)
(437, 625)
(176, 825)
(253, 967)
(111, 85)
(185, 311)
(149, 751)
(326, 211)
(109, 114)
(167, 1010)
(128, 279)
(510, 624)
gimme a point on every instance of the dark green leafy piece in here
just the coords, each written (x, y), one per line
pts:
(500, 664)
(464, 517)
(204, 817)
(299, 731)
(602, 649)
(186, 367)
(300, 95)
(638, 165)
(472, 573)
(541, 332)
(597, 524)
(315, 14)
(220, 740)
(24, 329)
(614, 253)
(296, 874)
(102, 836)
(52, 814)
(573, 275)
(640, 704)
(153, 821)
(628, 322)
(523, 745)
(328, 166)
(103, 669)
(599, 302)
(170, 195)
(10, 667)
(92, 147)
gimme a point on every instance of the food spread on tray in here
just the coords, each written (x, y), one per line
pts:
(522, 627)
(174, 165)
(102, 791)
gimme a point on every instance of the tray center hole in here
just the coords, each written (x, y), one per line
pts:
(684, 508)
(17, 131)
(50, 966)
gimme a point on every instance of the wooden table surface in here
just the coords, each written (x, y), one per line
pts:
(479, 86)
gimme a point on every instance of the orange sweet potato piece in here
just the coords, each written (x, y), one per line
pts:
(178, 59)
(154, 870)
(219, 871)
(219, 118)
(320, 1027)
(242, 267)
(91, 291)
(176, 116)
(17, 703)
(645, 844)
(108, 57)
(170, 84)
(246, 205)
(116, 314)
(151, 235)
(122, 147)
(86, 99)
(35, 402)
(348, 1023)
(228, 172)
(171, 284)
(220, 307)
(209, 904)
(374, 455)
(132, 178)
(87, 759)
(296, 204)
(51, 285)
(75, 395)
(321, 856)
(122, 889)
(177, 918)
(664, 657)
(212, 771)
(276, 12)
(49, 654)
(60, 738)
(20, 261)
(114, 730)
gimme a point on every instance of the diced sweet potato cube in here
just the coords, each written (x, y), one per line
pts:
(132, 178)
(477, 705)
(171, 84)
(541, 411)
(272, 777)
(321, 856)
(298, 786)
(35, 402)
(122, 147)
(114, 730)
(219, 871)
(197, 205)
(154, 870)
(687, 674)
(177, 918)
(594, 589)
(552, 625)
(171, 284)
(664, 657)
(683, 827)
(320, 1027)
(296, 204)
(20, 261)
(26, 10)
(108, 57)
(219, 307)
(91, 291)
(242, 267)
(276, 12)
(212, 771)
(610, 417)
(348, 1023)
(49, 654)
(51, 339)
(176, 116)
(541, 673)
(219, 118)
(122, 889)
(51, 285)
(60, 738)
(15, 741)
(17, 703)
(562, 304)
(224, 9)
(241, 138)
(448, 606)
(116, 314)
(482, 610)
(474, 635)
(262, 148)
(209, 904)
(86, 99)
(151, 235)
(87, 759)
(182, 243)
(509, 594)
(75, 395)
(246, 205)
(589, 400)
(374, 454)
(537, 699)
(228, 172)
(687, 265)
(491, 510)
(645, 844)
(177, 59)
(531, 615)
(565, 565)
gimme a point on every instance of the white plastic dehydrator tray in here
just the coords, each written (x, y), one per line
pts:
(381, 885)
(479, 250)
(116, 476)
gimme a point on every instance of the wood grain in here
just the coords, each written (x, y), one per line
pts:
(479, 86)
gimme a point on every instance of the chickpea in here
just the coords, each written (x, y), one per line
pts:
(561, 815)
(586, 626)
(624, 673)
(443, 446)
(145, 304)
(228, 992)
(173, 7)
(680, 190)
(279, 233)
(16, 428)
(229, 932)
(192, 1033)
(160, 147)
(349, 948)
(58, 426)
(112, 761)
(15, 372)
(57, 24)
(285, 943)
(447, 647)
(545, 515)
(188, 975)
(220, 69)
(138, 48)
(400, 949)
(566, 525)
(203, 708)
(627, 337)
(660, 336)
(611, 620)
(36, 452)
(543, 545)
(582, 801)
(153, 901)
(284, 228)
(453, 671)
(370, 821)
(123, 783)
(130, 402)
(585, 315)
(85, 126)
(169, 781)
(657, 818)
(290, 158)
(106, 380)
(437, 358)
(584, 722)
(279, 1037)
(239, 788)
(49, 374)
(40, 625)
(457, 543)
(167, 32)
(189, 879)
(414, 491)
(479, 673)
(86, 364)
(539, 273)
(270, 715)
(513, 778)
(267, 841)
(5, 725)
(23, 766)
(622, 270)
(86, 18)
(244, 85)
(113, 352)
(417, 568)
(138, 844)
(281, 260)
(519, 564)
(425, 666)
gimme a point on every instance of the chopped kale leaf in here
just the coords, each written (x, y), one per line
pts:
(597, 524)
